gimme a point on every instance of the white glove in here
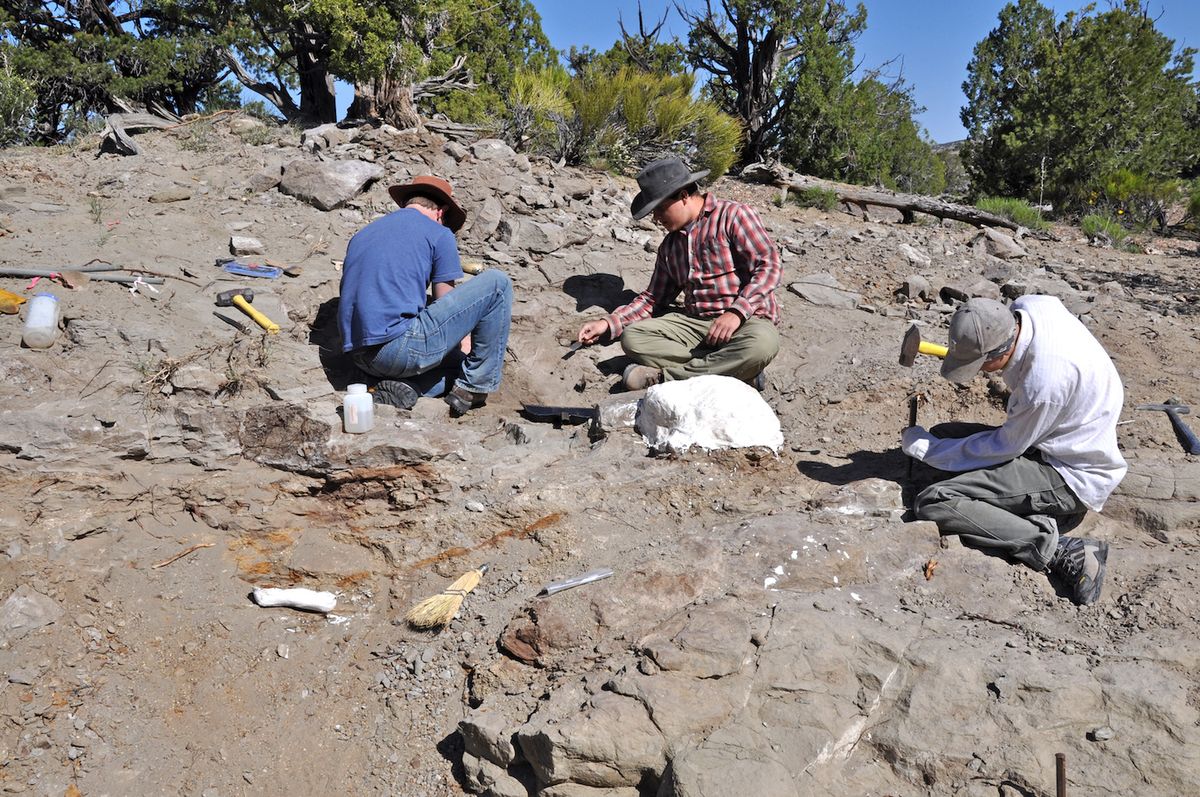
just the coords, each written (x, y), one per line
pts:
(915, 441)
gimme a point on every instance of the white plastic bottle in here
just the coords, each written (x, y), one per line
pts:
(358, 409)
(41, 322)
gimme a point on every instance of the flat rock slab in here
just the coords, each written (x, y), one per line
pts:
(824, 290)
(26, 610)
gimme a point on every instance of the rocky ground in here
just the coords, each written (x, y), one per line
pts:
(773, 625)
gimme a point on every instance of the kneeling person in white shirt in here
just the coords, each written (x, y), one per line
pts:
(1020, 486)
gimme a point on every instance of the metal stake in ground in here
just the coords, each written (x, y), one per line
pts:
(914, 402)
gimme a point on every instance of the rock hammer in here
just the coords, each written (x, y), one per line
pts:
(241, 298)
(1174, 408)
(912, 345)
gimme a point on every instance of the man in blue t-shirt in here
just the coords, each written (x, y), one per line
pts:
(391, 329)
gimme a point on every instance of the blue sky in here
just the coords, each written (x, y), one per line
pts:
(932, 39)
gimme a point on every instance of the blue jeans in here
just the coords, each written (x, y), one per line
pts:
(428, 349)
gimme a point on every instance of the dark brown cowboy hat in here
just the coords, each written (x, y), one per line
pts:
(437, 189)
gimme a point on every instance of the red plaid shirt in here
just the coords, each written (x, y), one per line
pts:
(724, 261)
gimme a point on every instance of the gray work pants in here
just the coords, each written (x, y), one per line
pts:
(1015, 510)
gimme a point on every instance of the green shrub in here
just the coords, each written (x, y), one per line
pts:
(1015, 210)
(619, 121)
(259, 135)
(17, 98)
(537, 109)
(1103, 228)
(199, 137)
(1137, 199)
(719, 138)
(1193, 207)
(815, 197)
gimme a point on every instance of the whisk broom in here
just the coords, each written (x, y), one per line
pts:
(440, 609)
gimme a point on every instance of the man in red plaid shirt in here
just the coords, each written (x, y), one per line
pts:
(717, 253)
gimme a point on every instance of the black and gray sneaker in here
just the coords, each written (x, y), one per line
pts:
(1081, 563)
(397, 393)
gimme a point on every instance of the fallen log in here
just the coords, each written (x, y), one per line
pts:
(907, 204)
(116, 137)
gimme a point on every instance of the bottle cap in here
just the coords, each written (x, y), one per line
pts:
(356, 388)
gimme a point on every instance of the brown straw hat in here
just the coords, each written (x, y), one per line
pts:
(439, 191)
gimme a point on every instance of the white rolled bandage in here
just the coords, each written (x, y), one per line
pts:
(296, 598)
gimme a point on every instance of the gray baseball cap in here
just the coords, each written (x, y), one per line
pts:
(979, 327)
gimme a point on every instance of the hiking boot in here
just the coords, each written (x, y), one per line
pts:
(398, 394)
(759, 382)
(462, 401)
(640, 377)
(1081, 563)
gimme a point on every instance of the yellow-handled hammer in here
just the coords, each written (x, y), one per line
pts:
(241, 298)
(913, 345)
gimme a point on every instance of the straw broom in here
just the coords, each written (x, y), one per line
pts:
(440, 609)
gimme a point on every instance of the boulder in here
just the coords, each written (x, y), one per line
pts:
(493, 149)
(486, 219)
(915, 257)
(611, 742)
(916, 287)
(243, 245)
(487, 735)
(535, 236)
(327, 185)
(997, 244)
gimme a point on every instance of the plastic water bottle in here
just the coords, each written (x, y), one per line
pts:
(41, 323)
(358, 409)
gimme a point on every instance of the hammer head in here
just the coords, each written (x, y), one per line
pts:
(225, 298)
(1171, 405)
(910, 347)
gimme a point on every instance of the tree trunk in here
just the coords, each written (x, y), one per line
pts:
(858, 195)
(395, 101)
(318, 98)
(386, 99)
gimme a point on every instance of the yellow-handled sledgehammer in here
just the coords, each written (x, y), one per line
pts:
(913, 345)
(241, 298)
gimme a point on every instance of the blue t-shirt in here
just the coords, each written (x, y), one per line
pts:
(389, 266)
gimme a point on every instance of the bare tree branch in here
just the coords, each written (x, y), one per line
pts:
(456, 78)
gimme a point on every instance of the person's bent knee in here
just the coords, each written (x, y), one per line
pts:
(496, 280)
(634, 340)
(928, 498)
(764, 344)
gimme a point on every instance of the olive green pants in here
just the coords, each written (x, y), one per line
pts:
(1016, 509)
(675, 343)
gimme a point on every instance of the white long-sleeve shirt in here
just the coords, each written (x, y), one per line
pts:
(1066, 398)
